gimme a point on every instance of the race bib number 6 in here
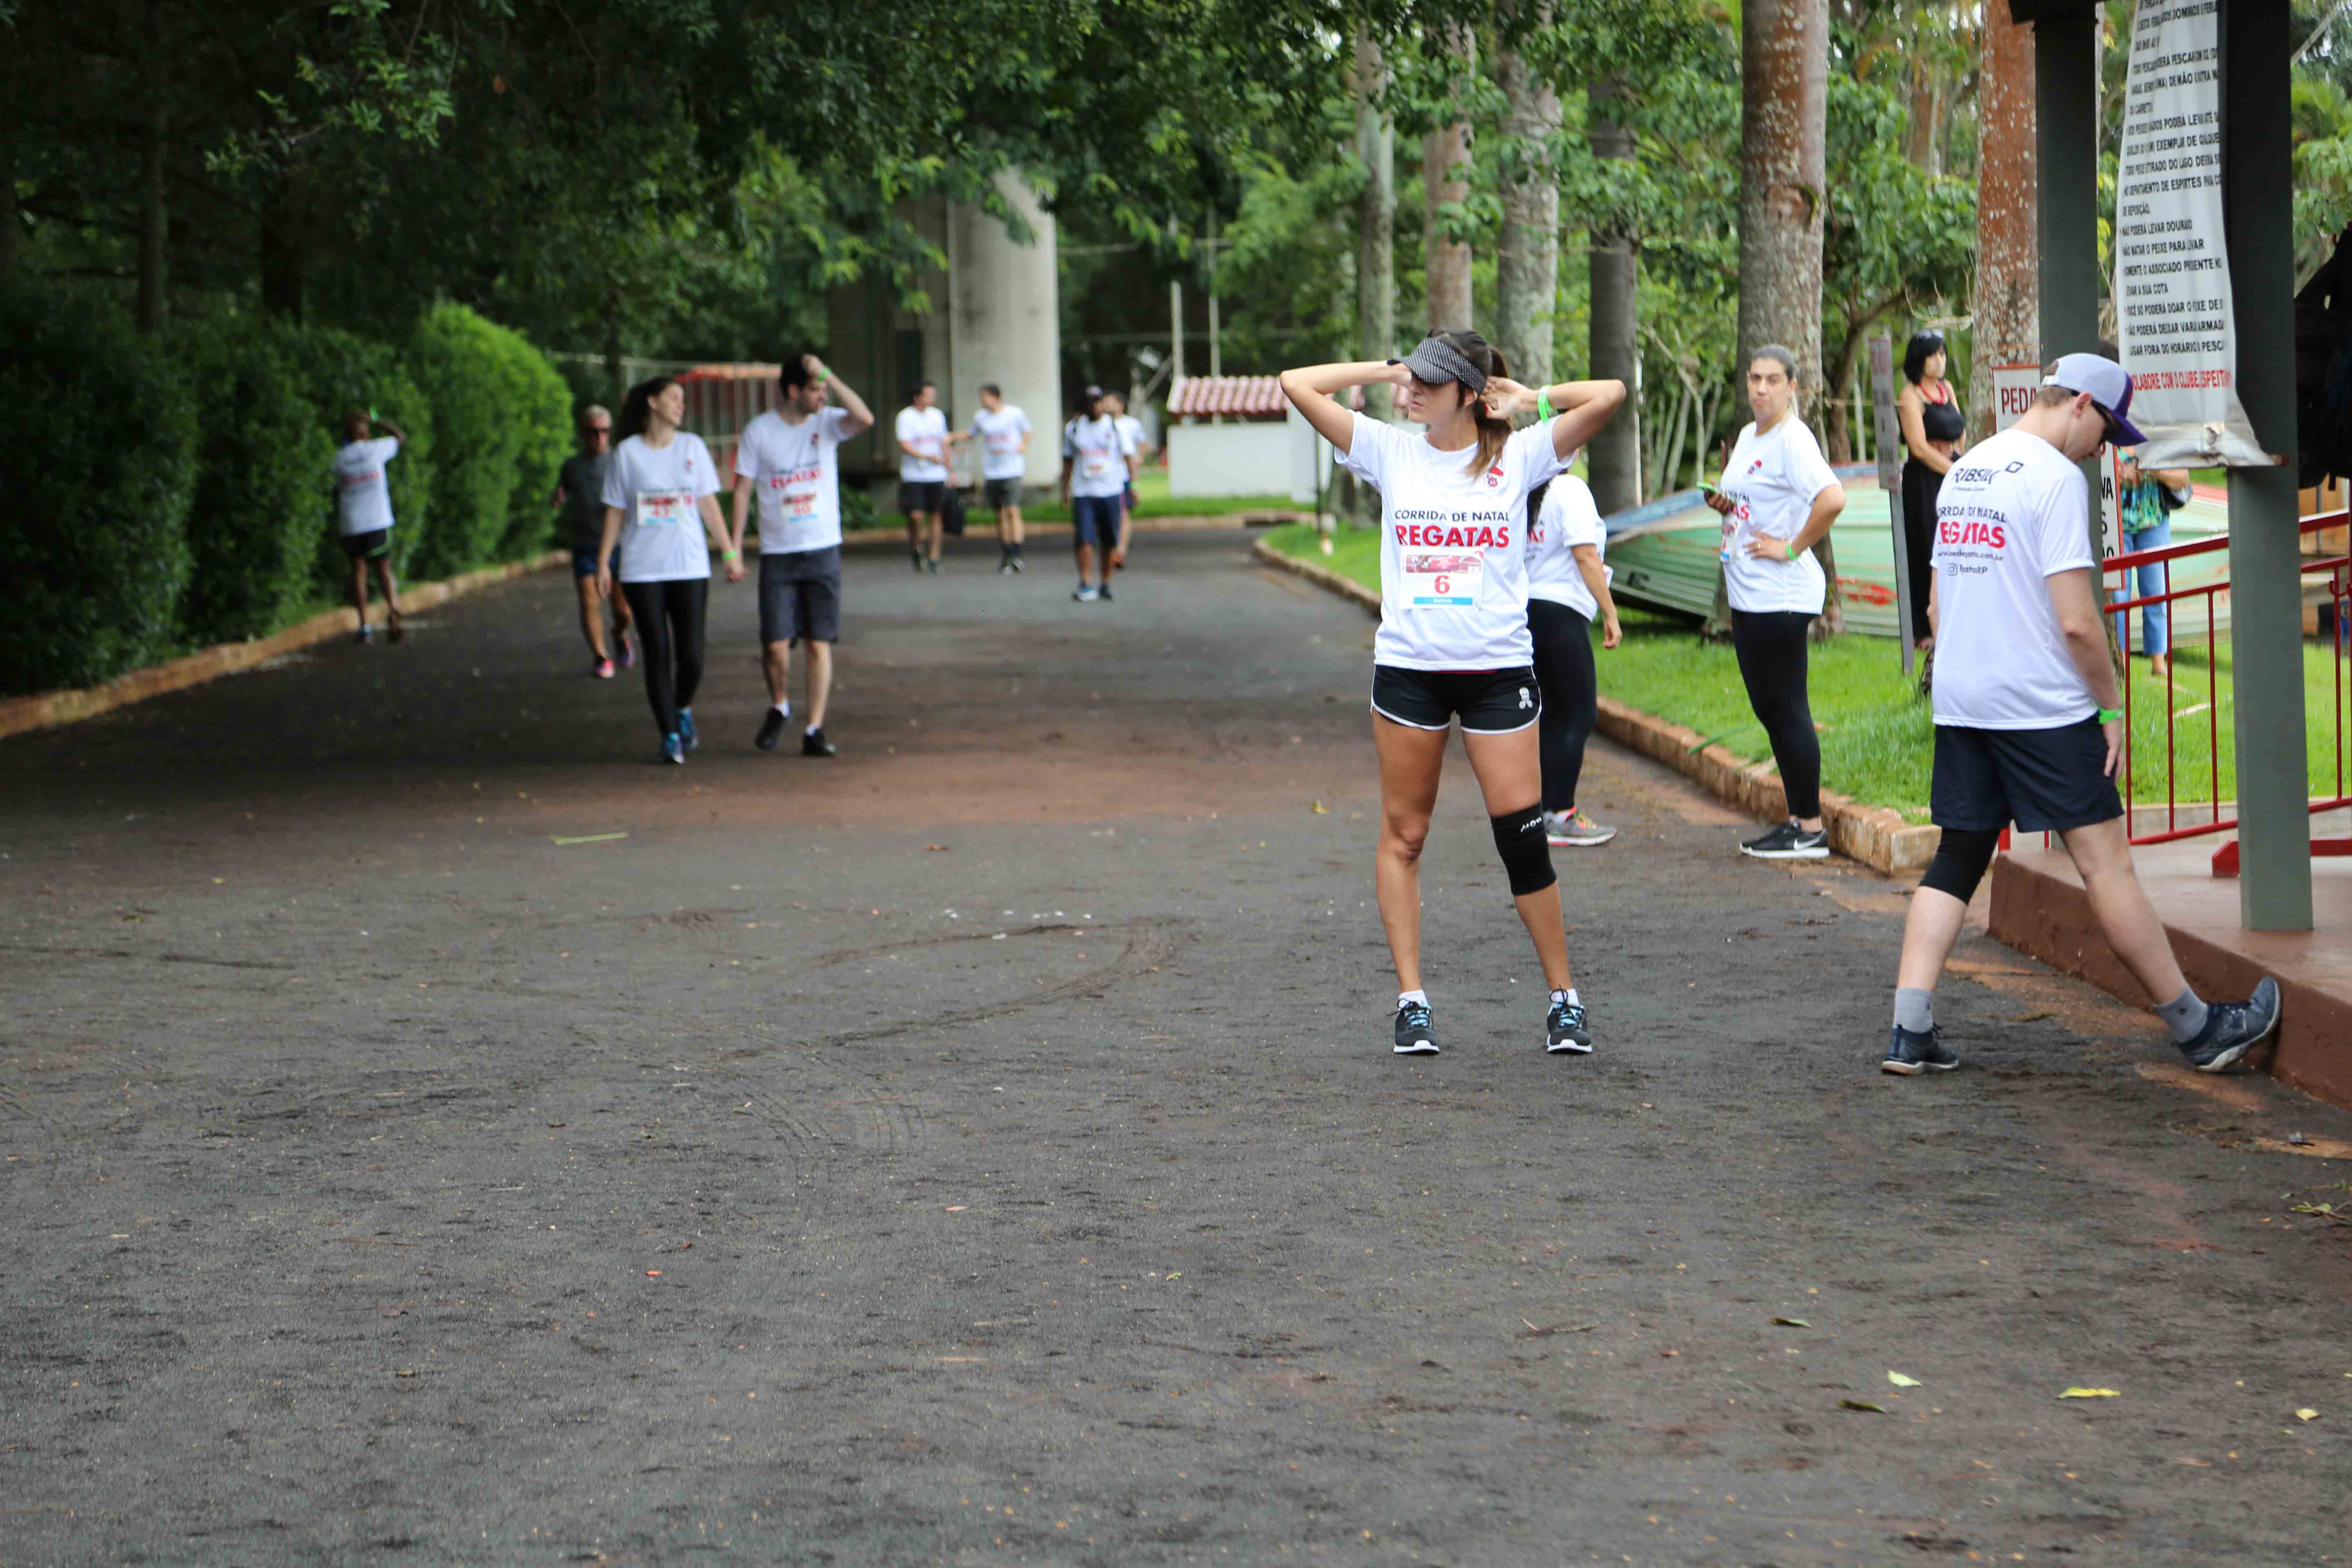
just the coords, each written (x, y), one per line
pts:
(1442, 581)
(664, 508)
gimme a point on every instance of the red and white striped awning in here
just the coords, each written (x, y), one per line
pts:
(1235, 397)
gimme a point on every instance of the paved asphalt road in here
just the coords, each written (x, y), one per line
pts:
(985, 1147)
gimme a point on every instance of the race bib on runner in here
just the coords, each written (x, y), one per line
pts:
(1448, 581)
(664, 508)
(797, 493)
(1095, 465)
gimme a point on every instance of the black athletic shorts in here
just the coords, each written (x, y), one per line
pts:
(370, 546)
(1001, 493)
(1490, 701)
(2045, 781)
(800, 595)
(922, 495)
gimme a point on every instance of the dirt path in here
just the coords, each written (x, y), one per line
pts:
(985, 1147)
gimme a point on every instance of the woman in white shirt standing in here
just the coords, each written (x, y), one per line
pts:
(1777, 498)
(662, 482)
(1453, 626)
(1568, 590)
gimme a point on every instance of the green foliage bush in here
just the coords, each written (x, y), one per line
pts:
(261, 469)
(95, 490)
(541, 414)
(497, 407)
(340, 370)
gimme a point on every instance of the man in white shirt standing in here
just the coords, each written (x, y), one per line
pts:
(1098, 465)
(1002, 431)
(790, 455)
(363, 511)
(2028, 727)
(923, 474)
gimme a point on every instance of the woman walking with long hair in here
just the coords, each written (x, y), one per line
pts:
(1932, 426)
(1777, 498)
(661, 483)
(1453, 637)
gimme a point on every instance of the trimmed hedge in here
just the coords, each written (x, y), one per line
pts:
(342, 370)
(254, 524)
(541, 413)
(500, 413)
(96, 488)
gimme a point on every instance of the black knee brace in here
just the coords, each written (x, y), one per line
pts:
(1959, 863)
(1527, 854)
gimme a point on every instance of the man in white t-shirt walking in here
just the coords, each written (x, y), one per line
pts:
(2027, 722)
(1002, 431)
(1098, 465)
(790, 455)
(363, 511)
(922, 432)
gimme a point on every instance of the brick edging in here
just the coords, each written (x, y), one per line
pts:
(1876, 837)
(47, 709)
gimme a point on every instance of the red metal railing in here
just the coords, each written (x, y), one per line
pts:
(2336, 573)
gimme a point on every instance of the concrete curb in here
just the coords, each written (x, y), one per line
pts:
(1876, 837)
(47, 709)
(981, 528)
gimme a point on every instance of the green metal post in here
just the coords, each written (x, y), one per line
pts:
(2265, 578)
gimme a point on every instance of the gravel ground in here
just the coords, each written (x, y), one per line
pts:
(985, 1147)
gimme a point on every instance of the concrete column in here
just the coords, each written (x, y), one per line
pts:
(2067, 226)
(1005, 320)
(2266, 580)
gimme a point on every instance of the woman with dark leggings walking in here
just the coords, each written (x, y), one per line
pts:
(1568, 590)
(1779, 498)
(661, 483)
(1932, 427)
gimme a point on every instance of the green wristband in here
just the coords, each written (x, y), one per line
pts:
(1788, 551)
(1543, 403)
(2110, 715)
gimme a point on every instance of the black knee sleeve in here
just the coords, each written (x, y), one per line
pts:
(1527, 855)
(1959, 863)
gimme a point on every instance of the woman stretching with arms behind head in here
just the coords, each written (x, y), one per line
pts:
(1453, 626)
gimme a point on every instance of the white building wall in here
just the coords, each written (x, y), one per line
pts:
(1237, 459)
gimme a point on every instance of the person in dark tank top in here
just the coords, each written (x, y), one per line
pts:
(1933, 427)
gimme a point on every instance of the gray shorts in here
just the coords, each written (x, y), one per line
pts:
(996, 493)
(800, 595)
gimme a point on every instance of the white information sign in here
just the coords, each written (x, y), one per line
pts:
(2014, 387)
(2174, 314)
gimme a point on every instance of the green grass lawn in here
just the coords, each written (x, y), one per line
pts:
(1152, 499)
(1877, 735)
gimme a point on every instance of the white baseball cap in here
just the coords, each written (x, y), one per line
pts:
(2109, 387)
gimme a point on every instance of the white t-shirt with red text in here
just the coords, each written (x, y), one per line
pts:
(796, 471)
(659, 491)
(1453, 560)
(1567, 519)
(2012, 513)
(1000, 435)
(926, 430)
(1774, 478)
(1098, 450)
(362, 498)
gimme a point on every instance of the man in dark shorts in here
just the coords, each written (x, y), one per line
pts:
(2027, 722)
(363, 511)
(922, 432)
(790, 457)
(1002, 432)
(580, 492)
(1098, 465)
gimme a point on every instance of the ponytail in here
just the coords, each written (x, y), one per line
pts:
(1492, 431)
(636, 409)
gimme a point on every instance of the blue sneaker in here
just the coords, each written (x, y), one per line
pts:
(672, 750)
(2233, 1028)
(1911, 1054)
(1565, 1031)
(1412, 1035)
(686, 729)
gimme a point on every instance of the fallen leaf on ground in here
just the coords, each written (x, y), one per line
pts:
(1536, 1333)
(653, 1273)
(1899, 1381)
(2307, 1414)
(935, 847)
(1792, 1323)
(591, 838)
(1863, 1405)
(2089, 1393)
(958, 1208)
(1320, 809)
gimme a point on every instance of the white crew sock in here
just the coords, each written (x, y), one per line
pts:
(1569, 996)
(783, 710)
(1406, 998)
(811, 730)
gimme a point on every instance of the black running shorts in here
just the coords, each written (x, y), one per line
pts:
(1001, 493)
(800, 595)
(1488, 701)
(927, 496)
(374, 545)
(2045, 781)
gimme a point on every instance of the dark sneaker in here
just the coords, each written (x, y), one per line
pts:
(628, 651)
(1412, 1035)
(932, 565)
(672, 750)
(1565, 1030)
(1004, 568)
(686, 729)
(366, 634)
(2233, 1028)
(1085, 594)
(1789, 842)
(771, 729)
(1020, 562)
(814, 744)
(395, 631)
(915, 559)
(1910, 1054)
(1105, 591)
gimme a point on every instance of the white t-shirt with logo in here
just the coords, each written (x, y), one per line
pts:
(363, 499)
(1453, 561)
(1098, 450)
(1567, 519)
(1132, 428)
(925, 429)
(659, 491)
(998, 435)
(2012, 513)
(796, 471)
(1774, 478)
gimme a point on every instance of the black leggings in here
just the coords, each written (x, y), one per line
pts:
(1771, 650)
(1921, 487)
(669, 633)
(1564, 669)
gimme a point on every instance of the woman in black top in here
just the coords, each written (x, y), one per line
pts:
(1932, 426)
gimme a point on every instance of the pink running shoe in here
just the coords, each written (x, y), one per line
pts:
(603, 670)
